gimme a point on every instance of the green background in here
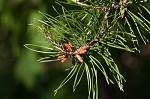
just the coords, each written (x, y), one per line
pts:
(22, 77)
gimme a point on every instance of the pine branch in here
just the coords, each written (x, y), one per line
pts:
(86, 35)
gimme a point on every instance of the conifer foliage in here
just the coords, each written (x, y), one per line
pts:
(86, 36)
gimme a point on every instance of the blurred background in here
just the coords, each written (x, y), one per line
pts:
(22, 77)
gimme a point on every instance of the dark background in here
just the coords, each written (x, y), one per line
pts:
(22, 77)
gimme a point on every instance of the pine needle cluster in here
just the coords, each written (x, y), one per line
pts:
(86, 36)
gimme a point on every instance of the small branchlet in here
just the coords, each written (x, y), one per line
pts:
(107, 9)
(47, 35)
